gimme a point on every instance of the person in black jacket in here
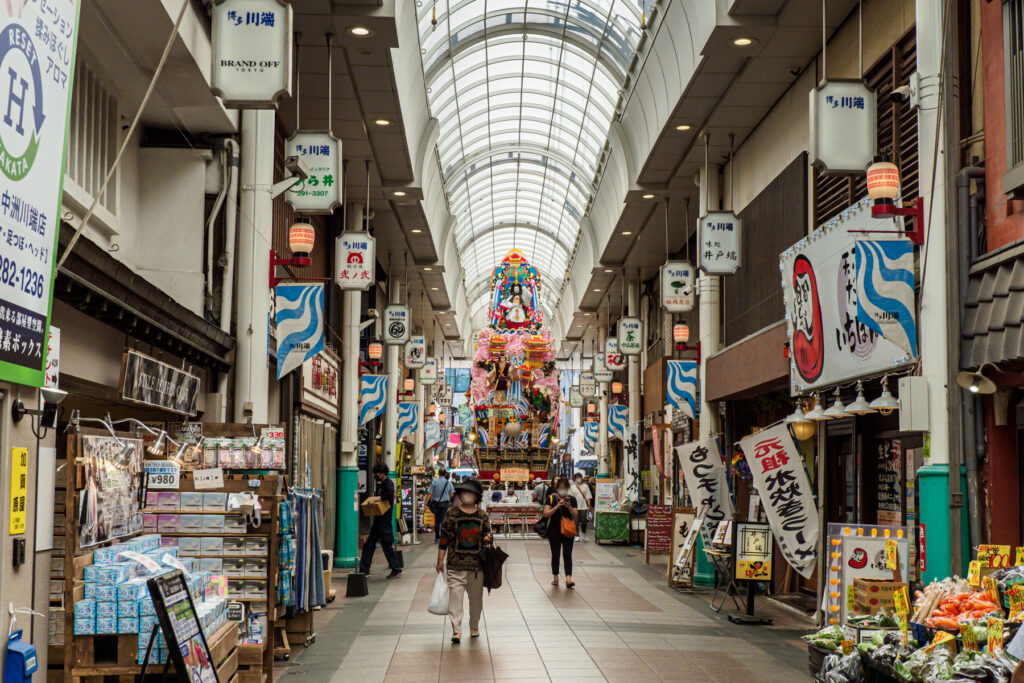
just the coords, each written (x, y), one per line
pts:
(380, 526)
(559, 505)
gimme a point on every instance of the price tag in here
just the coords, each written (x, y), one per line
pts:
(212, 478)
(1020, 555)
(989, 584)
(151, 565)
(272, 433)
(995, 634)
(236, 611)
(850, 598)
(968, 636)
(847, 646)
(974, 573)
(994, 555)
(163, 474)
(1016, 595)
(892, 558)
(940, 638)
(902, 601)
(254, 483)
(172, 561)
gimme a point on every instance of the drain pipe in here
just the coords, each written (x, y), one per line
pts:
(214, 213)
(973, 425)
(226, 261)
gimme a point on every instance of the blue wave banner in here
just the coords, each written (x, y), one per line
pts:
(300, 324)
(681, 386)
(885, 291)
(373, 396)
(618, 421)
(431, 433)
(408, 418)
(590, 435)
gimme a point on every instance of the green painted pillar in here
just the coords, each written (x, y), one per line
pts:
(704, 573)
(604, 475)
(933, 481)
(346, 535)
(393, 476)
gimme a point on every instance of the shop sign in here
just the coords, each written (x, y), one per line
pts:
(601, 371)
(415, 352)
(612, 358)
(779, 476)
(677, 287)
(154, 383)
(753, 551)
(37, 55)
(252, 52)
(320, 193)
(300, 324)
(659, 529)
(354, 254)
(720, 242)
(515, 474)
(162, 474)
(890, 474)
(53, 359)
(631, 463)
(19, 491)
(428, 373)
(397, 324)
(630, 336)
(705, 474)
(843, 126)
(588, 384)
(321, 383)
(828, 342)
(575, 397)
(446, 396)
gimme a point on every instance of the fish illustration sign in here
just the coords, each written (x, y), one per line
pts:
(37, 64)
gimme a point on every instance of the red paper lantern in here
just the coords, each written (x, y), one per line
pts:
(883, 181)
(375, 350)
(301, 237)
(681, 333)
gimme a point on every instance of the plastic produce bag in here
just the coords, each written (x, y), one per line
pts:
(439, 596)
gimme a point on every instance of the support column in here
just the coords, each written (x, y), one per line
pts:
(254, 244)
(391, 406)
(604, 460)
(346, 544)
(633, 391)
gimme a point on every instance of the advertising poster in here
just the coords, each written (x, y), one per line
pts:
(181, 630)
(753, 551)
(108, 504)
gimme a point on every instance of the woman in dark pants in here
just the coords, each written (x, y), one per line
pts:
(559, 505)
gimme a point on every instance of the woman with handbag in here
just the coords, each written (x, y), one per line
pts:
(465, 531)
(560, 512)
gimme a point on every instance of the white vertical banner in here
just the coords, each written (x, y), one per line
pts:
(397, 323)
(779, 475)
(631, 462)
(843, 126)
(415, 352)
(612, 358)
(705, 474)
(720, 242)
(428, 373)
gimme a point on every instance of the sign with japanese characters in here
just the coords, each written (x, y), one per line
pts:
(354, 255)
(37, 64)
(446, 396)
(630, 336)
(613, 360)
(602, 373)
(428, 373)
(719, 236)
(631, 462)
(415, 352)
(321, 191)
(397, 323)
(53, 359)
(588, 384)
(843, 126)
(705, 475)
(19, 491)
(575, 397)
(779, 476)
(321, 383)
(828, 342)
(252, 52)
(677, 287)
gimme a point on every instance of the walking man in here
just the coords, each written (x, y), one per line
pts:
(581, 492)
(540, 490)
(439, 498)
(380, 526)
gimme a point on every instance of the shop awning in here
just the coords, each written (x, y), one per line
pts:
(754, 365)
(99, 285)
(994, 310)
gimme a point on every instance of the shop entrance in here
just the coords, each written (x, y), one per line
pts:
(843, 465)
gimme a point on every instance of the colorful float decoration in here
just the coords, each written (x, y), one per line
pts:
(514, 387)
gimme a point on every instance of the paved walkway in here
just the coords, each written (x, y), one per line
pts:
(620, 623)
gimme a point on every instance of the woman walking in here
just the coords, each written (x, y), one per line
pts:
(465, 530)
(560, 511)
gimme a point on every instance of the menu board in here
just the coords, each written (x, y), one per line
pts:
(185, 640)
(659, 529)
(753, 551)
(890, 479)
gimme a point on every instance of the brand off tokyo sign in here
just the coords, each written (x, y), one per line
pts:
(252, 52)
(354, 255)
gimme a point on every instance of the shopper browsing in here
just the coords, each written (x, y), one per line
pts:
(560, 511)
(466, 529)
(581, 493)
(380, 526)
(439, 498)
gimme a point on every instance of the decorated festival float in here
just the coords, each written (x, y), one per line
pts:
(514, 391)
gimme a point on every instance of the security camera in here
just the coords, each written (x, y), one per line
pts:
(373, 313)
(297, 167)
(900, 94)
(53, 396)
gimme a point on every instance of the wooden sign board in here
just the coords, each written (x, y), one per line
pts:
(685, 527)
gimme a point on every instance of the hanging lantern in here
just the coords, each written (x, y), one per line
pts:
(301, 237)
(409, 384)
(883, 178)
(375, 350)
(591, 408)
(616, 387)
(681, 333)
(432, 408)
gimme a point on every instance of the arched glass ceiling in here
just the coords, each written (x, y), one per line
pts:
(525, 92)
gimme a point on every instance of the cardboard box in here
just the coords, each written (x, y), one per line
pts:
(374, 507)
(871, 595)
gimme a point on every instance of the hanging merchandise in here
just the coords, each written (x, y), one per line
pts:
(300, 324)
(681, 386)
(415, 352)
(677, 286)
(705, 474)
(308, 575)
(630, 336)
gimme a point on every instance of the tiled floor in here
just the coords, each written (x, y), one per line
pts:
(620, 623)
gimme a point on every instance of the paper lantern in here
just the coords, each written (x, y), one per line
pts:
(409, 384)
(616, 387)
(301, 237)
(883, 181)
(591, 408)
(375, 350)
(681, 333)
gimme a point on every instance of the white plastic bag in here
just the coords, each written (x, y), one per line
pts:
(439, 596)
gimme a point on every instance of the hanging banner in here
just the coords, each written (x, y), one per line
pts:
(252, 52)
(828, 343)
(588, 384)
(677, 287)
(373, 396)
(575, 397)
(408, 418)
(590, 435)
(631, 462)
(354, 254)
(720, 242)
(428, 373)
(19, 491)
(843, 127)
(681, 386)
(415, 352)
(37, 62)
(777, 468)
(618, 421)
(630, 336)
(885, 291)
(656, 450)
(300, 324)
(612, 358)
(705, 474)
(431, 434)
(397, 323)
(320, 193)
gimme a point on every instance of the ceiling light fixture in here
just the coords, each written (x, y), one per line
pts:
(360, 31)
(744, 42)
(428, 269)
(433, 289)
(382, 122)
(683, 127)
(608, 270)
(596, 289)
(648, 196)
(415, 231)
(627, 233)
(398, 193)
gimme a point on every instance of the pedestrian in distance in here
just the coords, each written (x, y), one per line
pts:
(560, 511)
(466, 530)
(380, 526)
(540, 490)
(439, 498)
(581, 492)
